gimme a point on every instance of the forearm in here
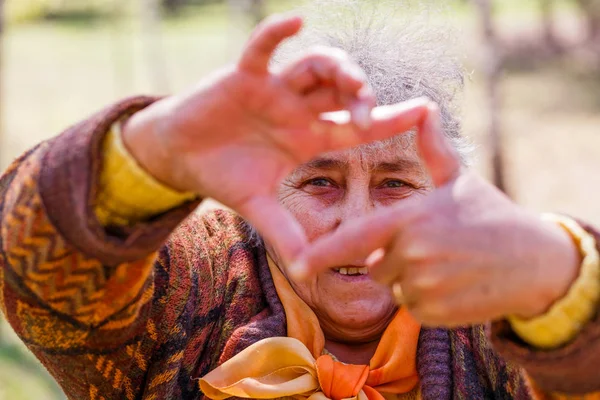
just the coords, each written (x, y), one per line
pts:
(56, 255)
(569, 368)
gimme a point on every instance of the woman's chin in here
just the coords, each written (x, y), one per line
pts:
(362, 319)
(354, 302)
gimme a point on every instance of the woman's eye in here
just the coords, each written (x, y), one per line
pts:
(321, 182)
(394, 184)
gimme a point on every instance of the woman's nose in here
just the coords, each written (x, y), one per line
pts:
(356, 204)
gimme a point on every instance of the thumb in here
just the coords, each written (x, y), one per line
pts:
(277, 225)
(355, 241)
(438, 154)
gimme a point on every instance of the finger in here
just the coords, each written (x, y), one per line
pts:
(388, 270)
(348, 77)
(276, 225)
(466, 308)
(405, 296)
(329, 66)
(375, 258)
(362, 107)
(350, 83)
(265, 40)
(333, 70)
(438, 154)
(313, 70)
(439, 313)
(398, 293)
(387, 121)
(395, 266)
(323, 100)
(432, 315)
(327, 99)
(357, 240)
(300, 77)
(289, 112)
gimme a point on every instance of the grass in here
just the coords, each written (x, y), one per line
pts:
(58, 73)
(18, 382)
(24, 379)
(21, 376)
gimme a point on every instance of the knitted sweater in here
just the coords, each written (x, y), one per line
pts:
(141, 312)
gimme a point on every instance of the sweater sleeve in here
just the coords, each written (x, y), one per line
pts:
(78, 293)
(565, 372)
(127, 194)
(565, 318)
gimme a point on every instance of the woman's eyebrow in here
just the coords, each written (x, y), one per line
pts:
(325, 163)
(320, 163)
(399, 165)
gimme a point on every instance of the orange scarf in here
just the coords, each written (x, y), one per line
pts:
(296, 366)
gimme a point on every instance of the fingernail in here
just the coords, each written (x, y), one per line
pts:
(375, 257)
(361, 116)
(366, 95)
(298, 270)
(355, 73)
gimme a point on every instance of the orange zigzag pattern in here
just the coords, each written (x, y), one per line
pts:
(64, 279)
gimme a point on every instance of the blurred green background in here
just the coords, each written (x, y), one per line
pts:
(64, 59)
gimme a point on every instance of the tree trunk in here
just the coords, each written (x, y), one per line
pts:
(547, 9)
(151, 15)
(591, 11)
(249, 10)
(1, 114)
(594, 22)
(173, 6)
(492, 68)
(257, 11)
(122, 48)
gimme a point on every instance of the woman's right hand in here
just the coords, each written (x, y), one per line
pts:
(240, 132)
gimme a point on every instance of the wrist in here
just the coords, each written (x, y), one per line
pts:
(141, 137)
(566, 317)
(556, 277)
(127, 194)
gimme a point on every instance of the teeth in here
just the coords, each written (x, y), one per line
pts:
(353, 271)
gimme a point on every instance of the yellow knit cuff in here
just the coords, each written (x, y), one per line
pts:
(127, 193)
(566, 318)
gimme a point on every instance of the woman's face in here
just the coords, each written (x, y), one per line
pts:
(330, 191)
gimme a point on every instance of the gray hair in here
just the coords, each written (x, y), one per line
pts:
(402, 47)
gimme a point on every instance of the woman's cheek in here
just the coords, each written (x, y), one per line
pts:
(315, 213)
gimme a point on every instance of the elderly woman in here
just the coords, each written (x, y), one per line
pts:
(381, 263)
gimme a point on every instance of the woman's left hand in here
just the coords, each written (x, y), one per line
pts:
(463, 255)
